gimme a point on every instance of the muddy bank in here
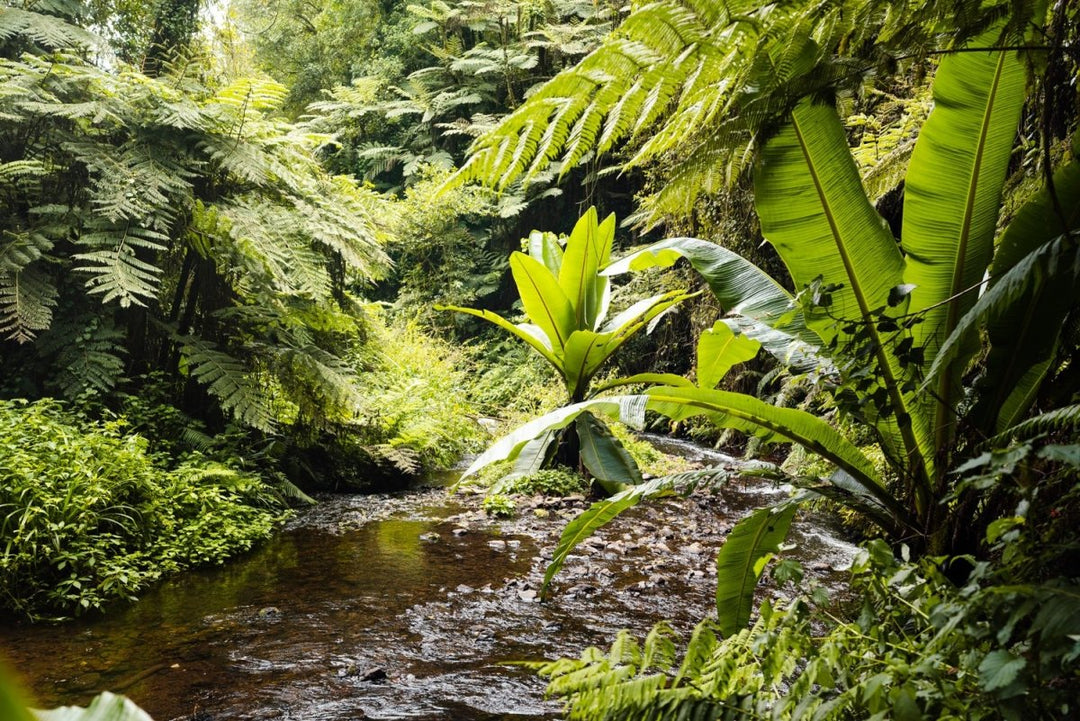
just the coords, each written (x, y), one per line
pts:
(399, 607)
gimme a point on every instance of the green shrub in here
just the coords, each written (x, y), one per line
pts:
(87, 516)
(558, 481)
(914, 646)
(414, 394)
(499, 506)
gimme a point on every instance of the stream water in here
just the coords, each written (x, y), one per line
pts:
(403, 606)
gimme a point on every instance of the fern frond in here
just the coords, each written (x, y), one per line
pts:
(230, 381)
(113, 263)
(135, 183)
(88, 354)
(1065, 419)
(27, 299)
(47, 31)
(320, 383)
(19, 249)
(400, 459)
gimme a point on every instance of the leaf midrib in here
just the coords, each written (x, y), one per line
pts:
(913, 449)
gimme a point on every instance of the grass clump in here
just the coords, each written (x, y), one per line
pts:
(87, 516)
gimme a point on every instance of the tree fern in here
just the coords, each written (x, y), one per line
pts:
(45, 30)
(704, 81)
(87, 353)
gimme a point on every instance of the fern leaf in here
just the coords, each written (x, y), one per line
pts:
(116, 271)
(27, 299)
(48, 31)
(228, 380)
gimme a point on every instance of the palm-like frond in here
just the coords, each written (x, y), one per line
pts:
(27, 299)
(112, 260)
(708, 80)
(230, 381)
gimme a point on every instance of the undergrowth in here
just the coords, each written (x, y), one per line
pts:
(88, 516)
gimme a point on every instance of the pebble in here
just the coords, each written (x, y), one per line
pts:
(429, 537)
(460, 531)
(497, 545)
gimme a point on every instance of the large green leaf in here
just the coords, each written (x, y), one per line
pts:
(662, 379)
(741, 287)
(1024, 334)
(587, 249)
(750, 415)
(545, 302)
(598, 515)
(12, 707)
(642, 310)
(814, 211)
(1023, 312)
(105, 707)
(585, 352)
(719, 348)
(952, 194)
(603, 454)
(545, 248)
(627, 409)
(1037, 222)
(741, 560)
(522, 332)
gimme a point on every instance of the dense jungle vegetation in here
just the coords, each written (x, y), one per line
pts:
(254, 250)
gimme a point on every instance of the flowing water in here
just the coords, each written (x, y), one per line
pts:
(402, 606)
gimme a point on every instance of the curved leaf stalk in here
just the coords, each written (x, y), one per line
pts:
(748, 414)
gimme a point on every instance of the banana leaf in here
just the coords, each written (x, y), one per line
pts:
(603, 454)
(741, 561)
(545, 302)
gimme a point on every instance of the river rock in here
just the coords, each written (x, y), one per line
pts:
(528, 595)
(374, 675)
(497, 545)
(429, 537)
(460, 531)
(269, 612)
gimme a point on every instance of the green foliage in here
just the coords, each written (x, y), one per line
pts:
(713, 84)
(559, 481)
(915, 647)
(566, 297)
(174, 222)
(499, 505)
(741, 561)
(414, 395)
(88, 517)
(879, 316)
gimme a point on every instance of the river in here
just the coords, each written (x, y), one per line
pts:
(400, 606)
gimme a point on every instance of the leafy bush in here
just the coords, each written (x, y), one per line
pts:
(413, 394)
(87, 516)
(499, 505)
(559, 481)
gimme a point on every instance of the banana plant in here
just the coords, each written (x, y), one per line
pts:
(900, 321)
(895, 324)
(566, 298)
